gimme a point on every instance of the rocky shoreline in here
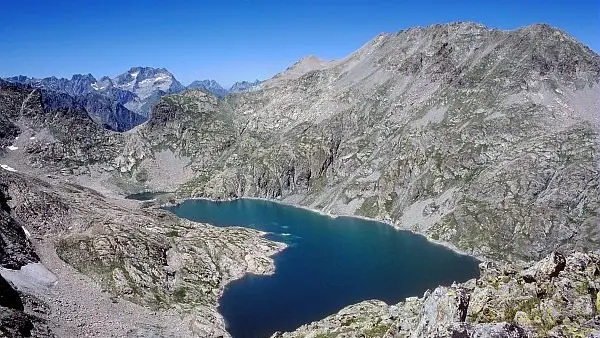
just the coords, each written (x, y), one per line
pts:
(110, 251)
(447, 245)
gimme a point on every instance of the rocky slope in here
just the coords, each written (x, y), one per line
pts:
(482, 138)
(144, 256)
(244, 86)
(49, 130)
(555, 297)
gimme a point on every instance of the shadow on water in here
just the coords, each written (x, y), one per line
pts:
(146, 196)
(330, 263)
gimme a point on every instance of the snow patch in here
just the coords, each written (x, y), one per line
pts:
(33, 277)
(96, 87)
(7, 168)
(162, 77)
(27, 233)
(134, 74)
(12, 148)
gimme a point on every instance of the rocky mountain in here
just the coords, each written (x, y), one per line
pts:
(148, 84)
(482, 139)
(244, 86)
(77, 85)
(213, 87)
(210, 86)
(303, 66)
(106, 106)
(120, 103)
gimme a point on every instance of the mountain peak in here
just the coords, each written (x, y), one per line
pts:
(80, 77)
(147, 69)
(148, 84)
(303, 66)
(210, 86)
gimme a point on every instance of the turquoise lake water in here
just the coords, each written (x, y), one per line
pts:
(330, 263)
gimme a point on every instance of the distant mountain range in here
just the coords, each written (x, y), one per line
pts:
(216, 89)
(125, 101)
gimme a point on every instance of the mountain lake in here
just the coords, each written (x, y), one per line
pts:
(331, 262)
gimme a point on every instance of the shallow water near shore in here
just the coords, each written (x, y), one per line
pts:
(330, 263)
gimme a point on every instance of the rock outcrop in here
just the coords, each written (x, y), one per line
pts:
(145, 256)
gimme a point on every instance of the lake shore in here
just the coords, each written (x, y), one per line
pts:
(343, 260)
(445, 244)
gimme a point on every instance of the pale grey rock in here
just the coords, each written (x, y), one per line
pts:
(545, 269)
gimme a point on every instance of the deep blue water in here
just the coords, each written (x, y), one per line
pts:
(330, 263)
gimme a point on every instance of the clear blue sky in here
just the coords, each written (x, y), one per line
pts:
(238, 40)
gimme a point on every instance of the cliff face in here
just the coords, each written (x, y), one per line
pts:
(15, 248)
(16, 251)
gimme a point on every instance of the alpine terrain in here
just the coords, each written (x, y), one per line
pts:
(483, 140)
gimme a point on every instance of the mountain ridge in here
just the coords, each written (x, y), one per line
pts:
(125, 101)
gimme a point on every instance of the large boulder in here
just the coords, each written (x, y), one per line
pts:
(545, 269)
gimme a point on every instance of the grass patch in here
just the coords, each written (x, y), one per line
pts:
(173, 233)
